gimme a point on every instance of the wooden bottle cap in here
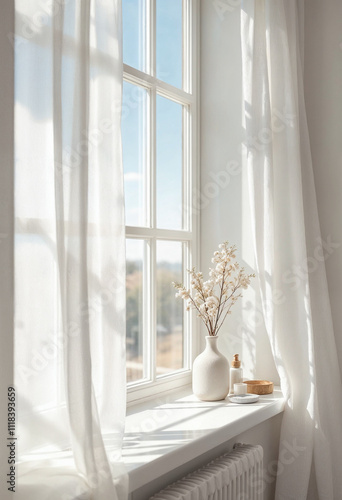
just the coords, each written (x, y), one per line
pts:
(236, 363)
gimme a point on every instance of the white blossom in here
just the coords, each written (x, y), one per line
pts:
(214, 298)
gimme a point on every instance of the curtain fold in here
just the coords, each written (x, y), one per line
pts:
(289, 251)
(70, 249)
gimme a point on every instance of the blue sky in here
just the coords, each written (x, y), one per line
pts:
(169, 114)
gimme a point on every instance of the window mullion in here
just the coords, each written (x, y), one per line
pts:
(153, 193)
(147, 311)
(153, 158)
(186, 204)
(148, 317)
(153, 310)
(137, 77)
(153, 37)
(185, 72)
(186, 317)
(153, 104)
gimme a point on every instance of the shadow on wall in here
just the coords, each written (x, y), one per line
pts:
(223, 198)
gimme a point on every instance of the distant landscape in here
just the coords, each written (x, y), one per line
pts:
(169, 320)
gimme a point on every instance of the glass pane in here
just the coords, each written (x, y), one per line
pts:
(169, 309)
(134, 309)
(134, 152)
(169, 41)
(169, 164)
(134, 36)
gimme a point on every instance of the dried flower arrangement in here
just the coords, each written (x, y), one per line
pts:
(214, 298)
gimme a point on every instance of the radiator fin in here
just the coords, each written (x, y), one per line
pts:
(234, 476)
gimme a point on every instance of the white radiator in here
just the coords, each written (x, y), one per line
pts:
(235, 476)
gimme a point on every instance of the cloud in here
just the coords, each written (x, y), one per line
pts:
(133, 177)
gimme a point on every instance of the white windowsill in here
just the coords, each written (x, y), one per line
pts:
(167, 432)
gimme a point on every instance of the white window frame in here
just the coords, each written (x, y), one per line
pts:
(189, 98)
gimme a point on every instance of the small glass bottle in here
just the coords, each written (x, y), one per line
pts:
(235, 373)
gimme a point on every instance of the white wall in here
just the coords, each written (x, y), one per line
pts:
(225, 213)
(6, 229)
(323, 94)
(225, 210)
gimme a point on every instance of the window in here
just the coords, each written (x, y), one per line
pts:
(159, 133)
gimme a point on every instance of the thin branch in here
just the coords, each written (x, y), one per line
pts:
(228, 310)
(219, 306)
(205, 320)
(226, 300)
(200, 290)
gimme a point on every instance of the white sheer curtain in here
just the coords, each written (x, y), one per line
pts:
(69, 249)
(289, 251)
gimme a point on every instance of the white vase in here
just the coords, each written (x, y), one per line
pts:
(210, 373)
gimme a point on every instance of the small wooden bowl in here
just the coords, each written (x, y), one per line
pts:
(259, 386)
